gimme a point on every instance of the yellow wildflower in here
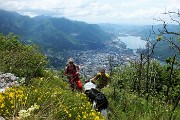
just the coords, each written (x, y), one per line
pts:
(70, 115)
(35, 91)
(2, 105)
(92, 114)
(84, 116)
(7, 111)
(96, 118)
(12, 101)
(11, 95)
(12, 107)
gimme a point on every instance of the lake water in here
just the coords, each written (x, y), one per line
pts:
(132, 42)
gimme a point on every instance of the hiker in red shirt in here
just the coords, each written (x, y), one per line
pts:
(72, 71)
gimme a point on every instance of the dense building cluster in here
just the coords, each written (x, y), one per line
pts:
(114, 54)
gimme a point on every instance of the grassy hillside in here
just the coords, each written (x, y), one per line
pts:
(140, 90)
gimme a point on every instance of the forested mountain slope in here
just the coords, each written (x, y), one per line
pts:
(53, 33)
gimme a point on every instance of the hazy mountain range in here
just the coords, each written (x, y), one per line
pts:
(61, 34)
(53, 33)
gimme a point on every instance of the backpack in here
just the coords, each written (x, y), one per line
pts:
(67, 67)
(99, 97)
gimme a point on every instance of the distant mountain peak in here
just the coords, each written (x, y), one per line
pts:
(53, 33)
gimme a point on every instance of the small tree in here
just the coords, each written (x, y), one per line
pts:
(22, 60)
(171, 36)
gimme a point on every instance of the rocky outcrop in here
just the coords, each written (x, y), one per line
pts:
(9, 80)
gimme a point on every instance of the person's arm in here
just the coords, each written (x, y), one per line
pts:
(78, 69)
(94, 78)
(108, 80)
(66, 72)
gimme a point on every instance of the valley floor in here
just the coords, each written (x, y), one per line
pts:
(92, 60)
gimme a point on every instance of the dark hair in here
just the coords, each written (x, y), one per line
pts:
(102, 70)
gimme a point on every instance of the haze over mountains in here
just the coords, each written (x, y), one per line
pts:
(55, 35)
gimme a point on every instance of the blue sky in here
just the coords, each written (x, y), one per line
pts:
(95, 11)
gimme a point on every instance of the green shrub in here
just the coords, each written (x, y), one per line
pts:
(22, 60)
(46, 98)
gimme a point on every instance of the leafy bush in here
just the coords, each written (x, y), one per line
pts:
(47, 98)
(137, 94)
(22, 60)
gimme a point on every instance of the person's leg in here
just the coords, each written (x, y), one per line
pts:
(71, 84)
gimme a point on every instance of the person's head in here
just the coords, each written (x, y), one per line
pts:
(102, 71)
(70, 61)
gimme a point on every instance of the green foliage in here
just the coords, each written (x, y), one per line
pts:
(22, 60)
(128, 105)
(142, 91)
(47, 98)
(159, 38)
(53, 33)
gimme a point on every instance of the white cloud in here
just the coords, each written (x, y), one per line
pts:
(94, 11)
